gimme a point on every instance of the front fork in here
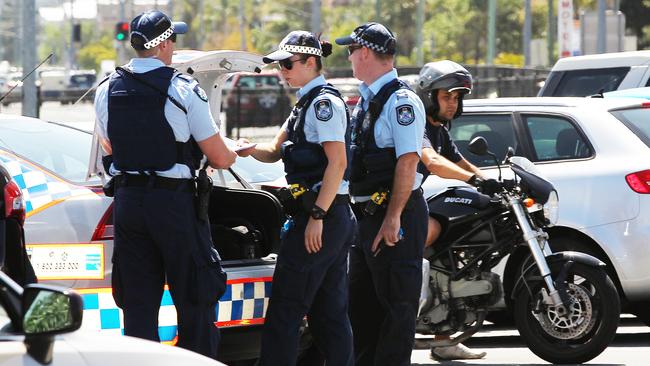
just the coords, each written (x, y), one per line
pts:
(537, 241)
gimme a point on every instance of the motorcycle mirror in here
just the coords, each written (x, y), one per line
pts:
(478, 146)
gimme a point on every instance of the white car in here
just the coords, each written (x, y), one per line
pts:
(33, 326)
(580, 76)
(597, 154)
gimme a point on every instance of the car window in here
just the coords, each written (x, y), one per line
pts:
(556, 138)
(498, 130)
(580, 83)
(637, 120)
(62, 150)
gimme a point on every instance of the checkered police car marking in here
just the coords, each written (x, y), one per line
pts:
(405, 115)
(323, 109)
(38, 188)
(244, 303)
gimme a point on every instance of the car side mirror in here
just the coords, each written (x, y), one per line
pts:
(478, 146)
(48, 310)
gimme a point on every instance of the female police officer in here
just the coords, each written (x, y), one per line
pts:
(311, 273)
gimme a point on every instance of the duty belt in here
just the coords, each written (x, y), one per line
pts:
(157, 182)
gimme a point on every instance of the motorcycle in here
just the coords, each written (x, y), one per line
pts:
(565, 306)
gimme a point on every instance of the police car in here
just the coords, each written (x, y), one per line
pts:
(69, 231)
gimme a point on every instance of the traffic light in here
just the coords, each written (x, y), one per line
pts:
(122, 31)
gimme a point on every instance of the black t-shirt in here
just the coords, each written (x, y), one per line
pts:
(438, 139)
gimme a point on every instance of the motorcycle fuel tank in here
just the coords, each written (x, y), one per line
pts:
(457, 201)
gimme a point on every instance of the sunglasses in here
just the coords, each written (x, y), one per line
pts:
(173, 37)
(288, 64)
(353, 47)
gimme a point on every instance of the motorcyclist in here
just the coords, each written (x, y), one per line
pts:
(442, 86)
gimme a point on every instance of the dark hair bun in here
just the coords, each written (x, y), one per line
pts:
(327, 48)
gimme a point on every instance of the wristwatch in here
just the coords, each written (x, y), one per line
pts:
(317, 213)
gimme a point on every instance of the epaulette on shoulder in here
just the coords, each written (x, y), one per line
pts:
(185, 77)
(402, 94)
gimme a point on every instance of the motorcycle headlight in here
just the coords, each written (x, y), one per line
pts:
(552, 208)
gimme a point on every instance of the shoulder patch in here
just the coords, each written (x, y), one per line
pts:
(405, 114)
(200, 93)
(323, 109)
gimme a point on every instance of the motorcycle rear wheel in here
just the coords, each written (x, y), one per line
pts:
(587, 331)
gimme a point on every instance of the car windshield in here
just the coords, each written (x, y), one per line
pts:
(580, 83)
(62, 150)
(637, 120)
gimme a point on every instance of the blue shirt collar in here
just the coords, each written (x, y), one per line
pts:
(140, 65)
(317, 81)
(367, 92)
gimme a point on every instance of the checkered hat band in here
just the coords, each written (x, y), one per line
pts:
(301, 49)
(364, 43)
(158, 40)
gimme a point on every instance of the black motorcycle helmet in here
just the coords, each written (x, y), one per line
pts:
(446, 75)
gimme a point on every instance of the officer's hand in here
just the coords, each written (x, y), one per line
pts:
(246, 152)
(388, 234)
(489, 186)
(313, 236)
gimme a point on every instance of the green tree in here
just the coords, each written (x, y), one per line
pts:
(91, 55)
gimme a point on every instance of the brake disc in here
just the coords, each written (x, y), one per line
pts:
(578, 319)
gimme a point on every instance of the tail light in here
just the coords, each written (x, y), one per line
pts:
(14, 204)
(639, 181)
(104, 229)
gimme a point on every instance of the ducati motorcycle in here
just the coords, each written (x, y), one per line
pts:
(565, 306)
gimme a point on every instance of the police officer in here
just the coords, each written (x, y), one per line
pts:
(442, 86)
(386, 261)
(311, 273)
(156, 125)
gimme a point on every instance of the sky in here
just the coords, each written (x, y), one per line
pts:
(85, 9)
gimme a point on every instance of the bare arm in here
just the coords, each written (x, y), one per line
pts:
(336, 164)
(267, 152)
(106, 145)
(471, 168)
(218, 154)
(442, 167)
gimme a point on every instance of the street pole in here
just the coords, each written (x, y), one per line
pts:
(315, 16)
(28, 43)
(121, 52)
(601, 43)
(71, 48)
(378, 11)
(549, 32)
(492, 30)
(419, 56)
(242, 29)
(527, 32)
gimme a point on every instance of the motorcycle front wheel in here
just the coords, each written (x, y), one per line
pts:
(588, 326)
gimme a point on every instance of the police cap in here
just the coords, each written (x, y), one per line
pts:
(375, 36)
(151, 28)
(295, 42)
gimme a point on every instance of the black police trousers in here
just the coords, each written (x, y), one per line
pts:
(156, 234)
(385, 289)
(314, 285)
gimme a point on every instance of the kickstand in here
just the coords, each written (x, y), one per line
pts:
(463, 336)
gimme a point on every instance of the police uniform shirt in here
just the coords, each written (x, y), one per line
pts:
(401, 121)
(198, 121)
(438, 139)
(325, 120)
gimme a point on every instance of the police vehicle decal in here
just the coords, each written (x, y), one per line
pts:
(40, 190)
(323, 109)
(244, 303)
(405, 115)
